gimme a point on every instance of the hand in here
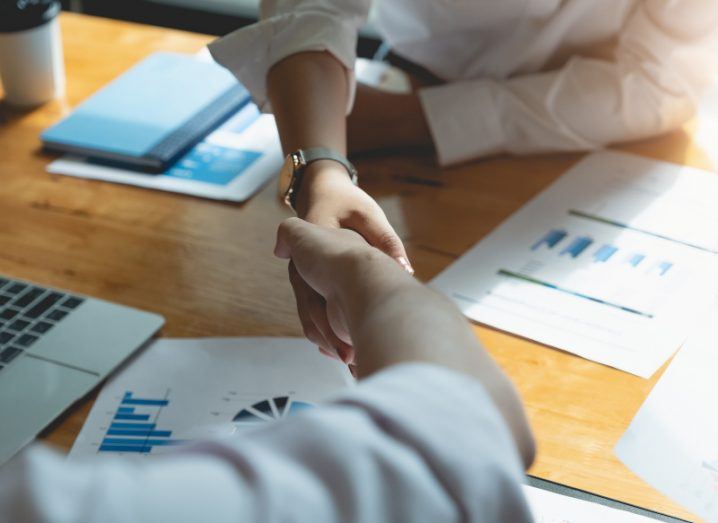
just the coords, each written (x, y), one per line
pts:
(393, 318)
(325, 265)
(328, 198)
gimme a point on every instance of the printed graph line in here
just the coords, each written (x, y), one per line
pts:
(511, 310)
(608, 221)
(528, 279)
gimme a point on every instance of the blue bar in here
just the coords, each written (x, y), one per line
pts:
(136, 417)
(636, 259)
(604, 253)
(158, 403)
(134, 426)
(551, 239)
(141, 442)
(141, 433)
(129, 400)
(577, 246)
(124, 448)
(664, 266)
(125, 410)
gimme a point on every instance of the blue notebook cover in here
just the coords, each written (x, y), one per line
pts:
(152, 113)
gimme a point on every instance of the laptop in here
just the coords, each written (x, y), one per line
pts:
(55, 347)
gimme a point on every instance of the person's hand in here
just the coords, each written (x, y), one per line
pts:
(328, 198)
(325, 264)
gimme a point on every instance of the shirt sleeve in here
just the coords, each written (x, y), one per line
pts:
(413, 443)
(663, 60)
(287, 27)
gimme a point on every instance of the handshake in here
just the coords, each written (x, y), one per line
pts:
(337, 278)
(368, 310)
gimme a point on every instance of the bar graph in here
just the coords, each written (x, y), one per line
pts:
(134, 426)
(580, 245)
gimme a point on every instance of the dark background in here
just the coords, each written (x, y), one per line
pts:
(196, 20)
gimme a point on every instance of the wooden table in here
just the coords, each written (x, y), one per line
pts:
(207, 266)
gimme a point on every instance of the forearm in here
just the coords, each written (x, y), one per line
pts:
(394, 319)
(308, 92)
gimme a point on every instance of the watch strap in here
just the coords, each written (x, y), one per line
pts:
(314, 154)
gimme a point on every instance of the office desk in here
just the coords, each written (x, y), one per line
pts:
(208, 268)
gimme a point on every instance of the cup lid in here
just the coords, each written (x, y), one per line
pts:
(19, 15)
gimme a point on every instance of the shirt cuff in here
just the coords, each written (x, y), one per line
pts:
(250, 52)
(464, 120)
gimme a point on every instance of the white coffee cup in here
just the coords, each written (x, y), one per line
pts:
(31, 65)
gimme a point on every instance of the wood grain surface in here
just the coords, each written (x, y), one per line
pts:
(208, 268)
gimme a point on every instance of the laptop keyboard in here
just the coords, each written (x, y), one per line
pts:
(28, 312)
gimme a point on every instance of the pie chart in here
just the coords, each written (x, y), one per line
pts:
(271, 409)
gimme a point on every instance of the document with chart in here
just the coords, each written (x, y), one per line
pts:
(613, 262)
(182, 390)
(672, 443)
(231, 163)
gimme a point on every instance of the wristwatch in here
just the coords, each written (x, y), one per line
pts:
(290, 177)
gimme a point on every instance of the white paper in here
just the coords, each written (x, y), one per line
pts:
(382, 75)
(179, 391)
(631, 307)
(672, 443)
(551, 507)
(231, 163)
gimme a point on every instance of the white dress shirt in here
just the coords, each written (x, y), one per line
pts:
(522, 76)
(413, 443)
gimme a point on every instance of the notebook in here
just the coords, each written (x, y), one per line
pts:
(152, 114)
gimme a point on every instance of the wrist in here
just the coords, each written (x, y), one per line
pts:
(320, 180)
(369, 278)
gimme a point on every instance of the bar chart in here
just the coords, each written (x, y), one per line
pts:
(576, 245)
(181, 391)
(134, 426)
(614, 262)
